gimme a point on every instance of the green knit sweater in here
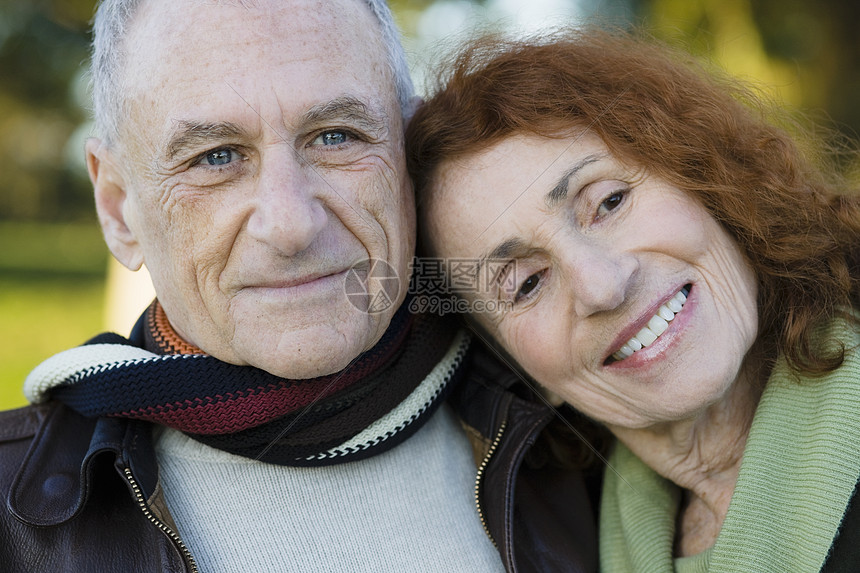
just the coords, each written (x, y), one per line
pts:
(800, 466)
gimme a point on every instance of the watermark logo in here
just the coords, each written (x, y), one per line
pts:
(372, 286)
(437, 286)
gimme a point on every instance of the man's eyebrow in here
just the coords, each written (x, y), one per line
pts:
(559, 192)
(503, 250)
(350, 109)
(192, 135)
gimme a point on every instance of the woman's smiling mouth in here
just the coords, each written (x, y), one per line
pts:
(655, 327)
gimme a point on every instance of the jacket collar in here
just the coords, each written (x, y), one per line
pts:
(540, 517)
(55, 479)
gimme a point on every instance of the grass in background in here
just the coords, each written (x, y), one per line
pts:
(40, 318)
(51, 296)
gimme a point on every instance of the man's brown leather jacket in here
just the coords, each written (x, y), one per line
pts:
(539, 516)
(82, 495)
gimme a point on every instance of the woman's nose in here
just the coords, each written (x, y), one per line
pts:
(601, 278)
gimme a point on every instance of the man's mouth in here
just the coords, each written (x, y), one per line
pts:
(655, 327)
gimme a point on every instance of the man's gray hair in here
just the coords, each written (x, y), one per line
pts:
(110, 27)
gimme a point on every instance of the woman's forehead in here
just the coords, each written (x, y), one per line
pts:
(510, 171)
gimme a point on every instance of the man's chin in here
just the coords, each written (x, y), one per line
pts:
(309, 353)
(311, 366)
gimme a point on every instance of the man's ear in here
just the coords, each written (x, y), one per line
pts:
(110, 195)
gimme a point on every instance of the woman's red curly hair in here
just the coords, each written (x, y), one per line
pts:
(798, 224)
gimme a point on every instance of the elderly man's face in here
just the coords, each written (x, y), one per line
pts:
(262, 159)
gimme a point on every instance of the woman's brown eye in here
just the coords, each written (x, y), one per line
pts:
(610, 203)
(528, 285)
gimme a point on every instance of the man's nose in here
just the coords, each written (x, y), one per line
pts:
(601, 277)
(289, 212)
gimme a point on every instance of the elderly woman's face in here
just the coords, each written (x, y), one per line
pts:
(624, 295)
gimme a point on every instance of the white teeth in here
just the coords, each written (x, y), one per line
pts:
(646, 337)
(656, 326)
(624, 351)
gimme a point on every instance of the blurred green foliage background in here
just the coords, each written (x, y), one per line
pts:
(53, 261)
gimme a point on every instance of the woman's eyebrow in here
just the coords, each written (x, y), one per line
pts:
(503, 250)
(559, 192)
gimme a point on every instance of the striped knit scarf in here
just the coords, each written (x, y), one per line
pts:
(378, 401)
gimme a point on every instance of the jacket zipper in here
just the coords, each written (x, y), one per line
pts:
(481, 469)
(144, 507)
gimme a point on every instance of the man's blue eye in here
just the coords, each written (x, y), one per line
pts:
(333, 138)
(221, 156)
